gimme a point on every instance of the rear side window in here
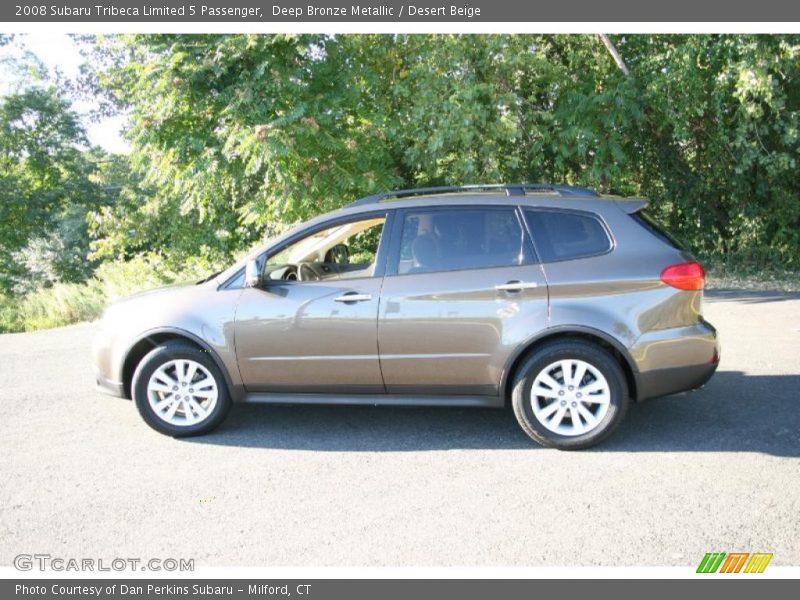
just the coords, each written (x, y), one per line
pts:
(658, 230)
(564, 235)
(461, 238)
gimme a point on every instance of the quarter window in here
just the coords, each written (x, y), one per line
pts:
(462, 238)
(563, 235)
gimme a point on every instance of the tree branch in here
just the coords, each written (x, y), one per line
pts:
(612, 49)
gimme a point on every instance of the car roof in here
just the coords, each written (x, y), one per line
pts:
(545, 199)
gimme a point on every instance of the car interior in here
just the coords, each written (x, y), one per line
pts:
(342, 252)
(452, 240)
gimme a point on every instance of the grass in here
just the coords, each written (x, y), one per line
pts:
(722, 275)
(61, 304)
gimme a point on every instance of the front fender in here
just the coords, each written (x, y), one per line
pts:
(154, 337)
(200, 314)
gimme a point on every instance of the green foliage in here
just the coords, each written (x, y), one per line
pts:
(37, 158)
(237, 137)
(363, 246)
(721, 158)
(9, 315)
(46, 189)
(59, 256)
(61, 304)
(721, 275)
(120, 279)
(65, 303)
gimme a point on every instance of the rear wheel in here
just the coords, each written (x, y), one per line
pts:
(179, 390)
(570, 395)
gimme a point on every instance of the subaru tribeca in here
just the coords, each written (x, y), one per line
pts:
(566, 304)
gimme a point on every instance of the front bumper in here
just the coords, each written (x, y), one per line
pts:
(675, 360)
(113, 388)
(102, 356)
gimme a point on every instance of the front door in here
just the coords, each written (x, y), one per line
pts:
(312, 325)
(461, 293)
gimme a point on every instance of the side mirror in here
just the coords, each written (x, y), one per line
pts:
(252, 274)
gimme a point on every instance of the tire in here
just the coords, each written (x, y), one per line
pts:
(157, 384)
(600, 399)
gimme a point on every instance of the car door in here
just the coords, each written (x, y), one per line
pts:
(461, 292)
(313, 335)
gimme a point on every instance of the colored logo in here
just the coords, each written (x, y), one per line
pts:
(734, 562)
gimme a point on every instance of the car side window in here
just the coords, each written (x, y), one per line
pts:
(461, 238)
(563, 235)
(344, 251)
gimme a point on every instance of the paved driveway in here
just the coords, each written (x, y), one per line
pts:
(718, 469)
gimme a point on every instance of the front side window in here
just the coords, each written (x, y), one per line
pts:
(347, 250)
(461, 238)
(564, 235)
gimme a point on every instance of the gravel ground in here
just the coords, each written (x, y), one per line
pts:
(715, 470)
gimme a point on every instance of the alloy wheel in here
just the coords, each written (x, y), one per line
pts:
(570, 397)
(182, 392)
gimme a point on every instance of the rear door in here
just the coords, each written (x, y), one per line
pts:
(461, 292)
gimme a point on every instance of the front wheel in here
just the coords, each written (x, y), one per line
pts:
(570, 395)
(179, 390)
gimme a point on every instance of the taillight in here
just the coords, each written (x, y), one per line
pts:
(684, 276)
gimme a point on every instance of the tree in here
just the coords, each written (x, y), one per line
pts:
(722, 123)
(44, 176)
(239, 136)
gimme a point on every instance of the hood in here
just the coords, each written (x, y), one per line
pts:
(140, 301)
(159, 291)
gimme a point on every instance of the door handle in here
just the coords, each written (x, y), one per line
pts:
(516, 286)
(353, 297)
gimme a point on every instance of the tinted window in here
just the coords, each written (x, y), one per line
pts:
(561, 235)
(462, 238)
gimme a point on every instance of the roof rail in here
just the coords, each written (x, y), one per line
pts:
(510, 189)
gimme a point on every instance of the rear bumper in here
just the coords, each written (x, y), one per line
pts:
(664, 382)
(675, 360)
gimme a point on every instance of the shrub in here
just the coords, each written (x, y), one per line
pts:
(9, 315)
(123, 278)
(65, 303)
(61, 304)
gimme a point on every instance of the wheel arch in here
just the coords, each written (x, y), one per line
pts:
(154, 338)
(589, 334)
